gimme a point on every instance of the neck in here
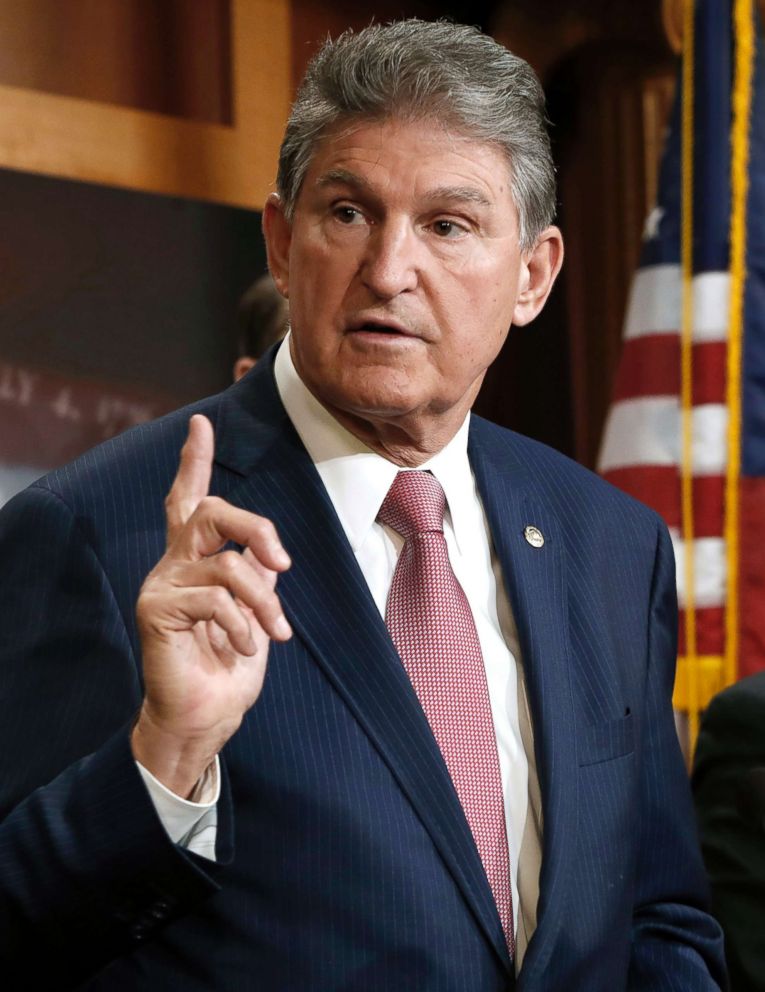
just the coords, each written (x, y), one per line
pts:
(407, 441)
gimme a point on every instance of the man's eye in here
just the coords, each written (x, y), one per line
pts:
(448, 229)
(349, 215)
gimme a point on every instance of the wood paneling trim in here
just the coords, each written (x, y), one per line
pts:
(118, 146)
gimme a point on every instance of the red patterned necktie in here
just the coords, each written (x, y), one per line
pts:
(432, 626)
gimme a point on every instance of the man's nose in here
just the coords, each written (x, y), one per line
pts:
(391, 261)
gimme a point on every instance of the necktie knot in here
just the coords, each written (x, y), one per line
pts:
(414, 505)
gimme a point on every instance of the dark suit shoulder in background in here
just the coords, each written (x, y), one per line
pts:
(729, 790)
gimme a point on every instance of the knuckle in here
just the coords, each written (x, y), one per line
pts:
(147, 605)
(265, 530)
(153, 580)
(267, 602)
(209, 506)
(173, 505)
(220, 599)
(229, 562)
(207, 514)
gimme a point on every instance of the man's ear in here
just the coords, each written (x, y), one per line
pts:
(242, 366)
(277, 232)
(539, 271)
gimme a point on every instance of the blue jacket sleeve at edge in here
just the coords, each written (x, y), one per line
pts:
(676, 945)
(87, 871)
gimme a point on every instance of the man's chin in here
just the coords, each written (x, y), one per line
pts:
(375, 409)
(375, 393)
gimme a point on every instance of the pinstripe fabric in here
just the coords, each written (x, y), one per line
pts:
(598, 616)
(344, 859)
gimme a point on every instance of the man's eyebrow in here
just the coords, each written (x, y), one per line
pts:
(441, 194)
(342, 177)
(458, 194)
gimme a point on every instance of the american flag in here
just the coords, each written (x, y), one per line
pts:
(686, 430)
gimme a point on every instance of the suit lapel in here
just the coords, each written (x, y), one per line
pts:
(535, 585)
(328, 603)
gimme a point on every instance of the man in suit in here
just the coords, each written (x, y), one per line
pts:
(417, 734)
(262, 319)
(729, 790)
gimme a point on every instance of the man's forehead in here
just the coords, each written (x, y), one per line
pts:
(348, 153)
(452, 133)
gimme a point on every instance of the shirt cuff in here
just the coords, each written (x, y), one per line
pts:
(192, 823)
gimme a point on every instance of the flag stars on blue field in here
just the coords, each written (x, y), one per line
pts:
(652, 224)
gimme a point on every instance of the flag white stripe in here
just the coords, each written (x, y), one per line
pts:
(655, 304)
(646, 431)
(709, 570)
(711, 297)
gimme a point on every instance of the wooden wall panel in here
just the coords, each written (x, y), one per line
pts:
(98, 141)
(168, 56)
(608, 74)
(613, 107)
(313, 20)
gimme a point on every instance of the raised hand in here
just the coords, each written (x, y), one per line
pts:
(206, 618)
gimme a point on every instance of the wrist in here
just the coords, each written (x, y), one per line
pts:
(176, 760)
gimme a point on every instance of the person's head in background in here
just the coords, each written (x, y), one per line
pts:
(262, 320)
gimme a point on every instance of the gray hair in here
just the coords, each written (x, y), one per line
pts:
(412, 70)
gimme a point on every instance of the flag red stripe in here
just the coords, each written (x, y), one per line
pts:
(656, 485)
(710, 630)
(650, 366)
(708, 505)
(659, 487)
(709, 372)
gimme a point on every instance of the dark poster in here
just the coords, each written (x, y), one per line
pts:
(115, 306)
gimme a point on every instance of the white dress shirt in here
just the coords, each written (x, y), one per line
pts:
(357, 481)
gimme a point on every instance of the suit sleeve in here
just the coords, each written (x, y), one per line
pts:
(676, 943)
(87, 872)
(732, 823)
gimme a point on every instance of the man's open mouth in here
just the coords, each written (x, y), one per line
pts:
(380, 327)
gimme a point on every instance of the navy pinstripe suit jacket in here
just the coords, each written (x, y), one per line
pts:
(344, 859)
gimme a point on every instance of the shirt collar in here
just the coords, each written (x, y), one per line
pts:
(356, 478)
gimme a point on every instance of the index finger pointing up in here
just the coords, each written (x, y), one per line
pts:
(192, 481)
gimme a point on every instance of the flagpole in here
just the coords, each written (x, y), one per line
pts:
(742, 102)
(686, 374)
